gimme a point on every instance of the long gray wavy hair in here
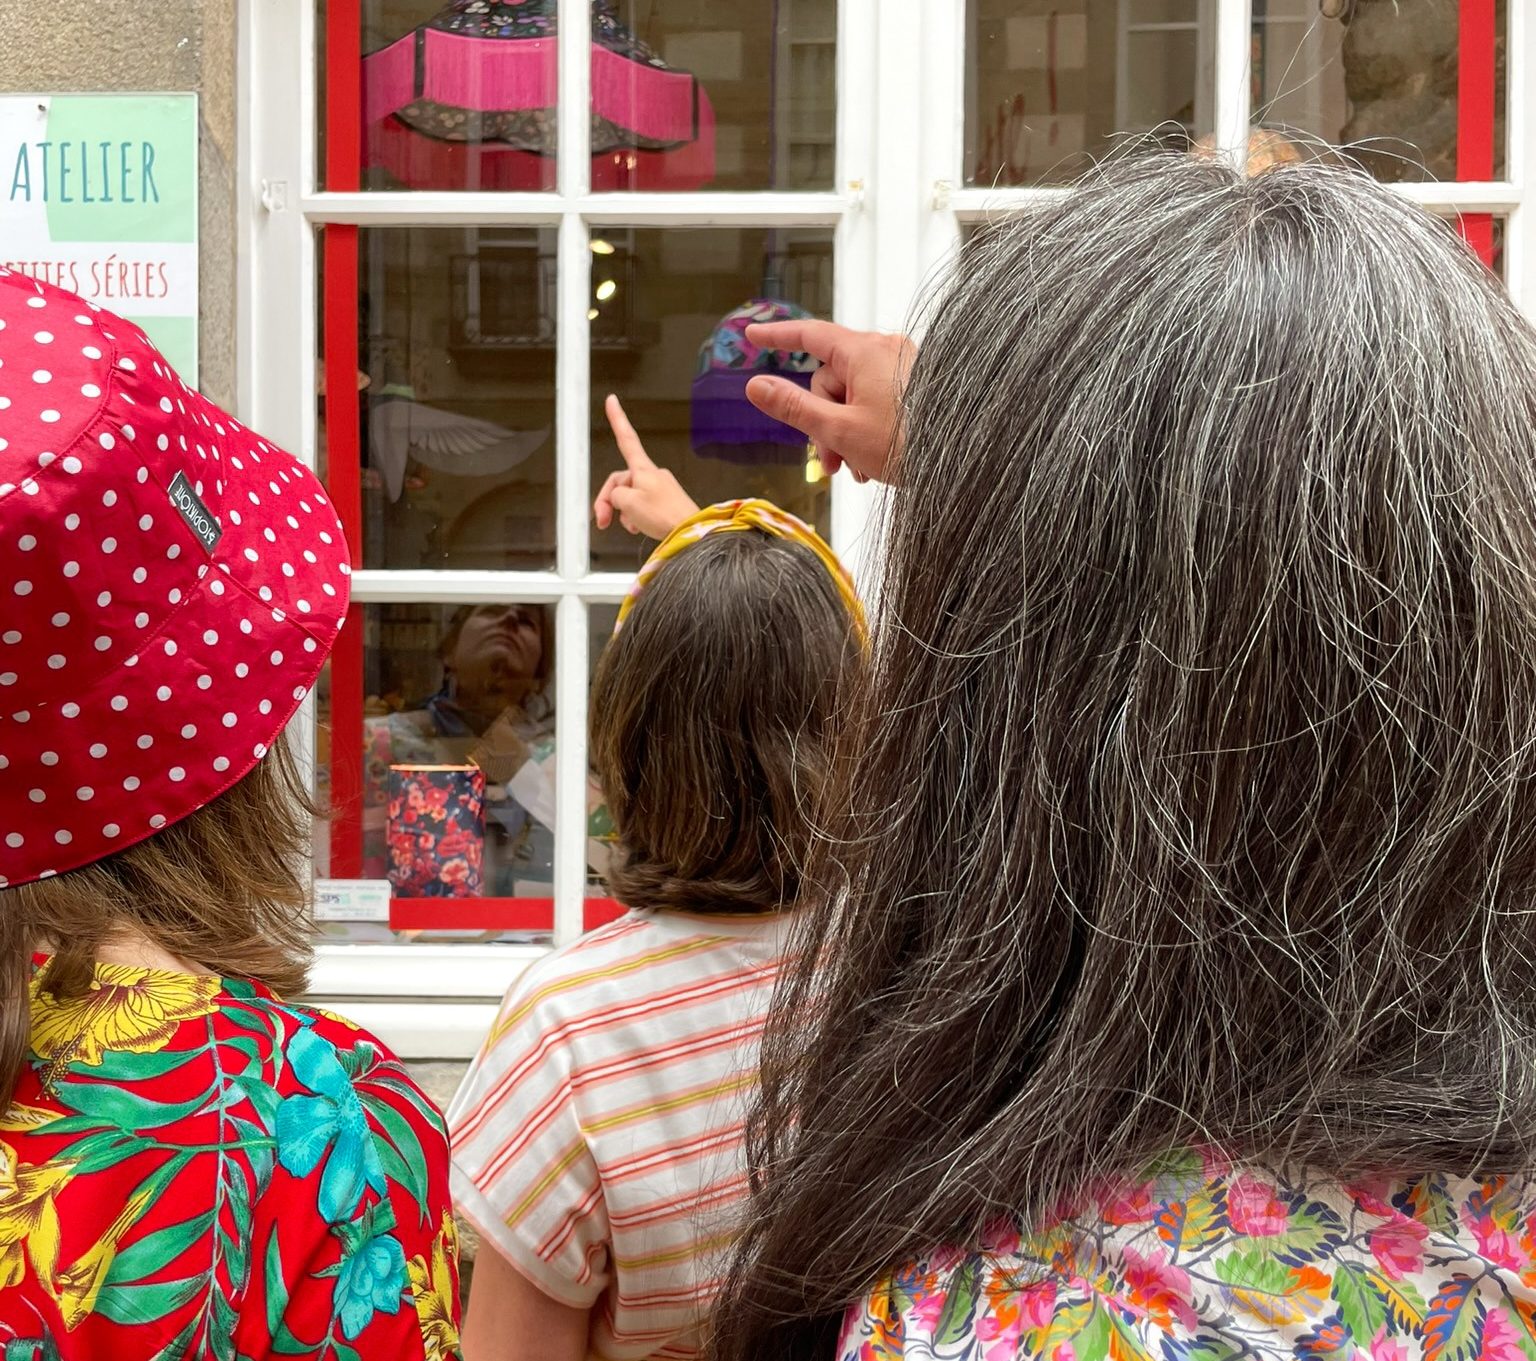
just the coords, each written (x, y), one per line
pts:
(1193, 794)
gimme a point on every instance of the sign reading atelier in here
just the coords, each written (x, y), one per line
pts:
(195, 513)
(98, 194)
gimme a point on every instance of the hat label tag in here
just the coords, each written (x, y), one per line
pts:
(195, 513)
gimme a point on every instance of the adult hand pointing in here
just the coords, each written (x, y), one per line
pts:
(853, 410)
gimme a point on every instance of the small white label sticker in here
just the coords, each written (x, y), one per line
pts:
(352, 900)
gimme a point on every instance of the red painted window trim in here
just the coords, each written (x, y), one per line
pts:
(343, 425)
(339, 321)
(493, 914)
(1476, 79)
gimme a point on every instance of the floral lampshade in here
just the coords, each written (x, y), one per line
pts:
(468, 100)
(725, 423)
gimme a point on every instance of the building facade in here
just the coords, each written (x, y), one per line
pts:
(433, 236)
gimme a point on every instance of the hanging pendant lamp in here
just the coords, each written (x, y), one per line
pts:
(725, 424)
(468, 100)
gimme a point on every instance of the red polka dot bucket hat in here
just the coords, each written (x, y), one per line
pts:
(170, 585)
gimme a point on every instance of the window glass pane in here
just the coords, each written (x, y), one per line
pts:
(1049, 84)
(457, 740)
(689, 95)
(1383, 78)
(1485, 233)
(600, 624)
(456, 348)
(684, 95)
(668, 310)
(459, 95)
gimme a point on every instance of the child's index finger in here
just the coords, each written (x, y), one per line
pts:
(630, 447)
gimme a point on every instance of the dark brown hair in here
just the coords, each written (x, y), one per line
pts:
(226, 888)
(711, 716)
(1192, 799)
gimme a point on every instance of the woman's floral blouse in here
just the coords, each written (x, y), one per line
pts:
(193, 1168)
(1200, 1261)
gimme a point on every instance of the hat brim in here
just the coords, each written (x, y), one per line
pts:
(204, 654)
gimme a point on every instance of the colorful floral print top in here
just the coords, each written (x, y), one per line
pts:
(1199, 1261)
(193, 1168)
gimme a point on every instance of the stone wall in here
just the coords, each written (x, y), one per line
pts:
(84, 46)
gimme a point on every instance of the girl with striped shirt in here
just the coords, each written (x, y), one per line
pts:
(597, 1136)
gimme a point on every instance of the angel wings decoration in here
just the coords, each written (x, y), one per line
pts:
(401, 429)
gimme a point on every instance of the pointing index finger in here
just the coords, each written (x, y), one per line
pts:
(630, 447)
(816, 338)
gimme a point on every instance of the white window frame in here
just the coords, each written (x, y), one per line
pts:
(436, 1000)
(897, 211)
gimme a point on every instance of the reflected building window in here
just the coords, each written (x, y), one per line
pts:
(1049, 85)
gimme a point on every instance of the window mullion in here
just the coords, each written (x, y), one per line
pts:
(853, 284)
(941, 77)
(573, 485)
(1234, 65)
(573, 467)
(276, 303)
(435, 586)
(452, 208)
(574, 141)
(571, 667)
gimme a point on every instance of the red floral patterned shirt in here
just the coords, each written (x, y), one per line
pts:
(191, 1167)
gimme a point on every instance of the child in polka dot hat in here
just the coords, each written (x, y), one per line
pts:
(170, 586)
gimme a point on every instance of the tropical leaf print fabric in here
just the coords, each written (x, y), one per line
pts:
(1201, 1261)
(193, 1168)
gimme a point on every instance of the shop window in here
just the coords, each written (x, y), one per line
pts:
(684, 95)
(815, 154)
(1415, 87)
(463, 366)
(457, 808)
(689, 295)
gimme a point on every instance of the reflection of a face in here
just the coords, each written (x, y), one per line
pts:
(498, 650)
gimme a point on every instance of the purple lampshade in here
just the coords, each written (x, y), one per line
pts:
(725, 424)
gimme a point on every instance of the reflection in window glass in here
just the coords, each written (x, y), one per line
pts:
(459, 96)
(458, 744)
(1485, 234)
(457, 348)
(685, 95)
(1049, 83)
(601, 620)
(1382, 77)
(668, 338)
(763, 112)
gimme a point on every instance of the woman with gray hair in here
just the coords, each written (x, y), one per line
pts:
(1174, 998)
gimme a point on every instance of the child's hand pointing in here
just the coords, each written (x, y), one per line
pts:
(647, 500)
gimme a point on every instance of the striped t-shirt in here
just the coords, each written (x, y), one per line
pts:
(597, 1136)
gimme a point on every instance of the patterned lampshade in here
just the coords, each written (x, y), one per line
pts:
(726, 425)
(468, 100)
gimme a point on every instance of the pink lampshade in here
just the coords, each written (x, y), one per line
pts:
(468, 100)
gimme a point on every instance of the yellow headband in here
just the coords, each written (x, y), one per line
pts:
(739, 515)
